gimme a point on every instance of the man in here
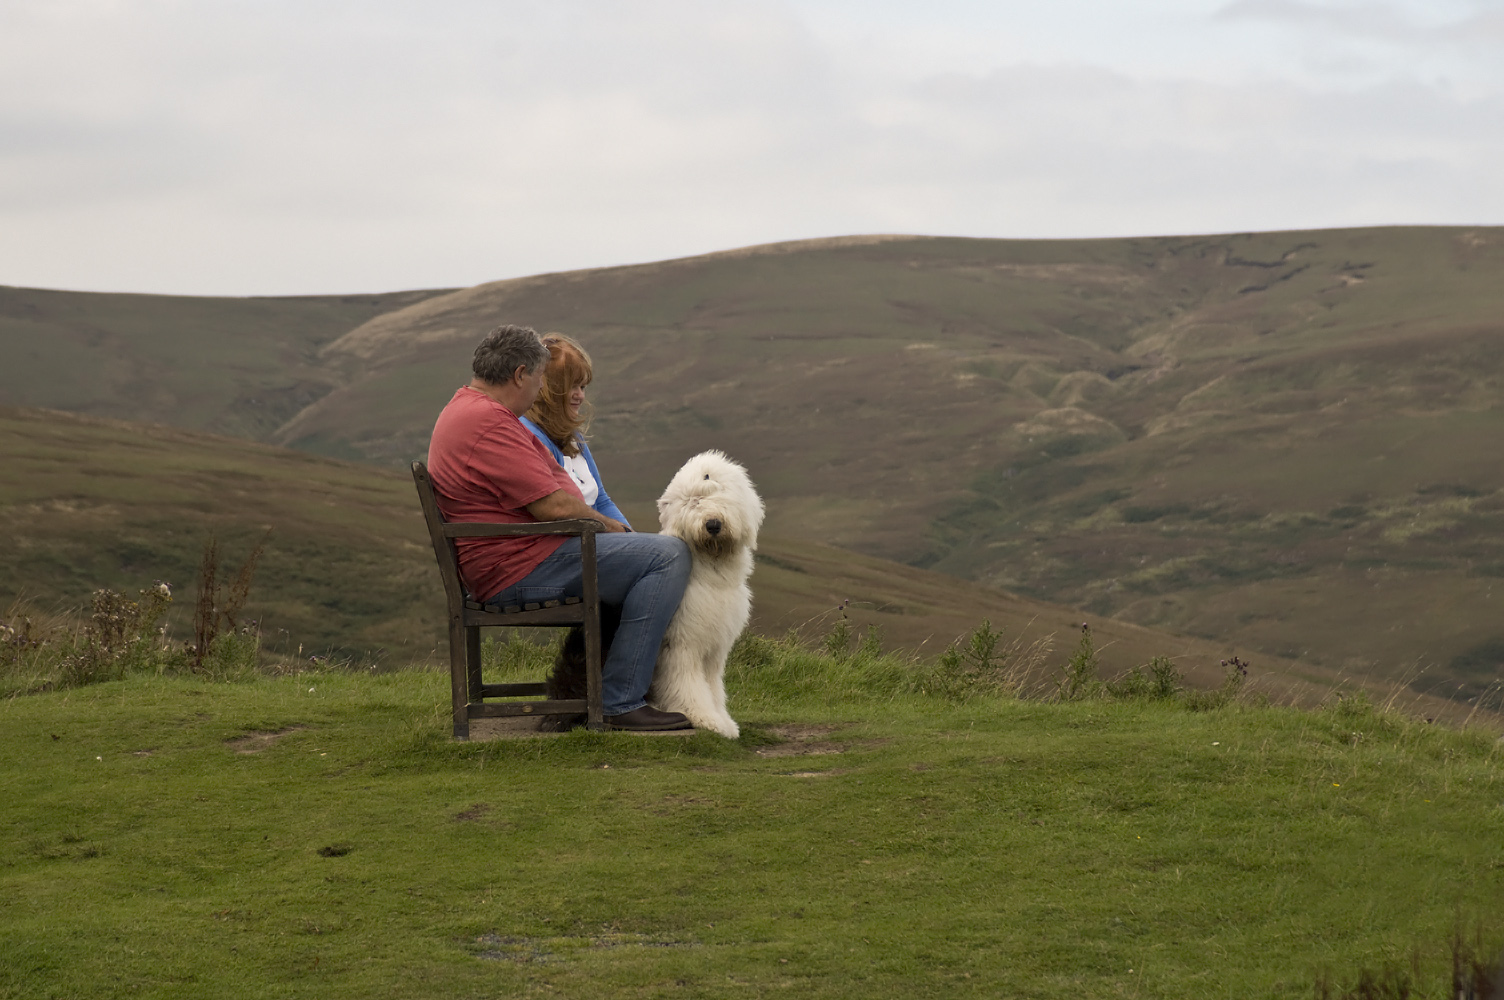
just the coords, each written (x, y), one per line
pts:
(486, 466)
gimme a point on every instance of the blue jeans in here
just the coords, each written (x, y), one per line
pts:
(643, 574)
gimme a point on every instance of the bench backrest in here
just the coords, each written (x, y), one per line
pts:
(443, 546)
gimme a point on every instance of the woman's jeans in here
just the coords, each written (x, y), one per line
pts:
(645, 575)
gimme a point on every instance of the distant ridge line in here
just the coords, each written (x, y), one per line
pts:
(412, 323)
(796, 246)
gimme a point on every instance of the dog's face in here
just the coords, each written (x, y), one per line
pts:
(710, 503)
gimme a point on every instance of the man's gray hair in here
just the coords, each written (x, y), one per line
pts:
(506, 349)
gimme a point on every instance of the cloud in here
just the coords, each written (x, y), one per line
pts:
(323, 146)
(1480, 23)
(1360, 18)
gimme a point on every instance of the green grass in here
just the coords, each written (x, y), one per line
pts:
(860, 839)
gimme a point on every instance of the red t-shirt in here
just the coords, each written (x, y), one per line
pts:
(486, 466)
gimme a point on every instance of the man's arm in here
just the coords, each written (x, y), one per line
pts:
(561, 505)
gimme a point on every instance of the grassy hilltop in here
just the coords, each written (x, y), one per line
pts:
(319, 836)
(1285, 441)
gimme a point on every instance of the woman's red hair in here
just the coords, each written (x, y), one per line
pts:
(568, 366)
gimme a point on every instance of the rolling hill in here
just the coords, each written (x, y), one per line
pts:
(230, 366)
(348, 569)
(1287, 442)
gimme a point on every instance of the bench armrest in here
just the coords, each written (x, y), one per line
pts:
(479, 529)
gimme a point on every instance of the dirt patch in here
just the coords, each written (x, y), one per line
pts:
(801, 749)
(521, 727)
(673, 804)
(806, 740)
(537, 950)
(812, 774)
(257, 742)
(475, 812)
(801, 731)
(802, 739)
(506, 728)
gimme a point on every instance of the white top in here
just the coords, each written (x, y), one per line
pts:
(579, 471)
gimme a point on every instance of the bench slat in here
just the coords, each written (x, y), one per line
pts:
(571, 614)
(512, 709)
(479, 529)
(492, 609)
(520, 690)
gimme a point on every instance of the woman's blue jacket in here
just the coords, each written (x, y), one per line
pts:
(603, 503)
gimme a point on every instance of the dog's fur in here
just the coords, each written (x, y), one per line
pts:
(711, 504)
(709, 490)
(568, 677)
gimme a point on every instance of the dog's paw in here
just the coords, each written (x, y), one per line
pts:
(721, 725)
(724, 727)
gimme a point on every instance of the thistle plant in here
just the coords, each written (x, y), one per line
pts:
(1235, 675)
(119, 636)
(838, 640)
(1157, 680)
(217, 606)
(1080, 680)
(981, 662)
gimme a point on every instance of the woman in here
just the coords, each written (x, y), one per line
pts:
(556, 420)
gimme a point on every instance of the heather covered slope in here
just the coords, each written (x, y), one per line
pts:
(348, 569)
(240, 366)
(1284, 441)
(95, 503)
(1289, 440)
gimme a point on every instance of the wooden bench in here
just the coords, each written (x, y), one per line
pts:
(468, 617)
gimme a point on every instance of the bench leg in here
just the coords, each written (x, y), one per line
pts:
(591, 594)
(472, 663)
(459, 678)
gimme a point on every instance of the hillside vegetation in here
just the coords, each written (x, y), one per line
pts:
(348, 568)
(93, 503)
(230, 366)
(1283, 441)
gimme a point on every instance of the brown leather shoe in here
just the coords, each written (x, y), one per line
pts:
(647, 719)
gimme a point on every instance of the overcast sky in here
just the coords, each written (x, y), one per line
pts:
(311, 146)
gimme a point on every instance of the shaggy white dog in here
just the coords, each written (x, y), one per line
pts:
(710, 503)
